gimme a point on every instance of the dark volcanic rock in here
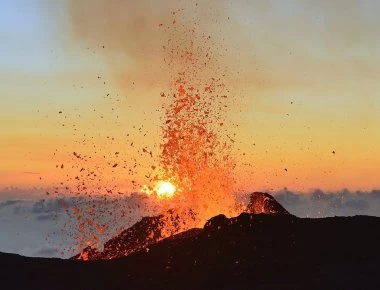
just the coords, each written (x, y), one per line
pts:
(137, 237)
(251, 251)
(147, 231)
(216, 223)
(261, 202)
(140, 235)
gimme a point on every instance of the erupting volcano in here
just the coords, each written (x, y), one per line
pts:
(145, 134)
(192, 179)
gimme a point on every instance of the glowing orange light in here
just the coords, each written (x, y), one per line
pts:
(163, 189)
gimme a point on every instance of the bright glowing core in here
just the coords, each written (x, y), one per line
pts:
(165, 189)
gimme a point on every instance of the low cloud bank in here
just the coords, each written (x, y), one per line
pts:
(326, 203)
(317, 203)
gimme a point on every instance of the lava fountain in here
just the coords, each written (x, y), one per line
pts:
(196, 163)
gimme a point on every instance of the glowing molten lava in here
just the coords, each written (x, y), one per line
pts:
(196, 141)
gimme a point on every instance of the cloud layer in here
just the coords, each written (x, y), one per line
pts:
(322, 203)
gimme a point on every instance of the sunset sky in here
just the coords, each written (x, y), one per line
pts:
(303, 76)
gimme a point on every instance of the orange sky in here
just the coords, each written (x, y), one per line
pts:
(303, 76)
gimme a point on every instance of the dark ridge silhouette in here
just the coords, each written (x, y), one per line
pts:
(260, 202)
(251, 251)
(148, 230)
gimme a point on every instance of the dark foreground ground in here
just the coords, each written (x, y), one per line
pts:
(248, 252)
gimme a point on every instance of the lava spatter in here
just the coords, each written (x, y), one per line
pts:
(196, 149)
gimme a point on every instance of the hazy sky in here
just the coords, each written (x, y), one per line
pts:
(303, 74)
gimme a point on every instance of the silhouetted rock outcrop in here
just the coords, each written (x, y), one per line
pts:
(216, 223)
(138, 236)
(148, 230)
(260, 202)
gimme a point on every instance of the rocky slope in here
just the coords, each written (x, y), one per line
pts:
(260, 202)
(149, 231)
